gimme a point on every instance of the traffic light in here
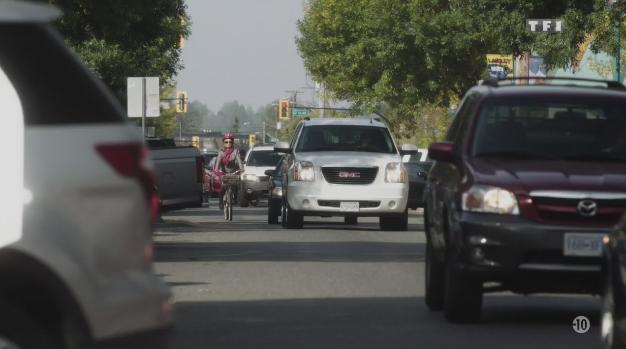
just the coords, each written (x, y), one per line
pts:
(283, 109)
(252, 138)
(181, 102)
(195, 141)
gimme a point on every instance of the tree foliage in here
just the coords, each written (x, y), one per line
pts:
(406, 55)
(120, 38)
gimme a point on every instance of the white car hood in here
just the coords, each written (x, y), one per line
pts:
(348, 159)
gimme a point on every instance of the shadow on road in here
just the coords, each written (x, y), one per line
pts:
(289, 251)
(510, 322)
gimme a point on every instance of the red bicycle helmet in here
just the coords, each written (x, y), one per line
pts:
(228, 135)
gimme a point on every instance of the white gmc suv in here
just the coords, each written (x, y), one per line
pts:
(345, 167)
(79, 202)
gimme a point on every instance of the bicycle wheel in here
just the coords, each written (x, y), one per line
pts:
(226, 201)
(230, 205)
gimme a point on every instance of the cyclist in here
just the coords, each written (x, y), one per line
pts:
(228, 161)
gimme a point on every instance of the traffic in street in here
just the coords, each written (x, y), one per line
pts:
(249, 284)
(404, 174)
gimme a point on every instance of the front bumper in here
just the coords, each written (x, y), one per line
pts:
(319, 197)
(254, 189)
(524, 255)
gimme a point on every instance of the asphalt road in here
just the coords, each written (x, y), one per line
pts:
(247, 284)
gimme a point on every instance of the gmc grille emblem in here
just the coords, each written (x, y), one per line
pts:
(349, 175)
(587, 208)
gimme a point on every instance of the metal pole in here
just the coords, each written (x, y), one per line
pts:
(144, 105)
(180, 128)
(264, 137)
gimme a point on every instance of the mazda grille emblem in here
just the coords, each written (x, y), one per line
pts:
(587, 208)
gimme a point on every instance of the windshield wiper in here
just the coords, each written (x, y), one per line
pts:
(510, 154)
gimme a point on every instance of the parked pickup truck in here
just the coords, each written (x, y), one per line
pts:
(180, 173)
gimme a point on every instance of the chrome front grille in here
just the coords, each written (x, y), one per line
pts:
(350, 175)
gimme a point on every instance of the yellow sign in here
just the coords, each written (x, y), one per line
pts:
(252, 139)
(182, 101)
(501, 60)
(195, 141)
(283, 109)
(499, 67)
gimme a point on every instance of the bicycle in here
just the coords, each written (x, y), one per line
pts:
(229, 181)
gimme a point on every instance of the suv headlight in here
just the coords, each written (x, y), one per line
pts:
(395, 173)
(304, 171)
(483, 198)
(250, 178)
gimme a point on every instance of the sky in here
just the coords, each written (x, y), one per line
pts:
(242, 50)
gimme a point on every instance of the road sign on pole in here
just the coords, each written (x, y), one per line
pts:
(300, 112)
(143, 99)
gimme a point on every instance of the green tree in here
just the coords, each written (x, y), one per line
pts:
(120, 38)
(414, 58)
(197, 117)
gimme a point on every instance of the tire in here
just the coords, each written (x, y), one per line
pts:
(610, 339)
(272, 213)
(350, 220)
(228, 205)
(463, 296)
(395, 223)
(283, 213)
(434, 274)
(20, 329)
(294, 219)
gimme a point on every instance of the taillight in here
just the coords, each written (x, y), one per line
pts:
(200, 169)
(132, 160)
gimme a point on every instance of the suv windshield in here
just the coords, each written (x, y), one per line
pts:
(265, 158)
(346, 138)
(594, 131)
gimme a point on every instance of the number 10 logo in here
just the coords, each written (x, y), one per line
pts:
(581, 324)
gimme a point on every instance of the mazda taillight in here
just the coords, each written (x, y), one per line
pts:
(132, 160)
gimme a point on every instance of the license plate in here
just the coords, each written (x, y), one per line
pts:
(349, 206)
(582, 245)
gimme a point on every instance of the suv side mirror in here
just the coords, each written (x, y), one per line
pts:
(442, 151)
(270, 172)
(408, 149)
(282, 147)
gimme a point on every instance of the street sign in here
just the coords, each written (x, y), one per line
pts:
(143, 98)
(544, 25)
(300, 112)
(499, 66)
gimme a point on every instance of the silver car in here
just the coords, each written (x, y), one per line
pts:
(345, 167)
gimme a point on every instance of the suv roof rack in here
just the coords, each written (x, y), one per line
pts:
(497, 83)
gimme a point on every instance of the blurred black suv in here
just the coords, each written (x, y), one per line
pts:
(522, 192)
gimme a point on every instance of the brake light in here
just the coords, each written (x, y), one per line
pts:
(200, 169)
(132, 160)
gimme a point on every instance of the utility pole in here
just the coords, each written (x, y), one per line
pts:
(264, 136)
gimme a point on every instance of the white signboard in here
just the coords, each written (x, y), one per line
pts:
(544, 25)
(143, 97)
(153, 103)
